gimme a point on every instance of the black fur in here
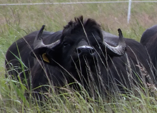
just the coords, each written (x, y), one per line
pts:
(100, 71)
(149, 40)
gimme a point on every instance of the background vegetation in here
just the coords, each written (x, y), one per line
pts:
(17, 21)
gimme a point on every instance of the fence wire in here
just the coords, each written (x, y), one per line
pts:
(66, 3)
(83, 2)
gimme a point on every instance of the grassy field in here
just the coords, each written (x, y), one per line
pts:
(17, 21)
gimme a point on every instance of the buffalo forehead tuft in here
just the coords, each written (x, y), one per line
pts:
(87, 24)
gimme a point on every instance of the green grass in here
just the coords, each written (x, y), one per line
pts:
(17, 21)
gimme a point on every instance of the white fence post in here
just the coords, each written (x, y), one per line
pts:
(129, 11)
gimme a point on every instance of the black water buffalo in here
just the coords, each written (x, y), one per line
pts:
(149, 40)
(82, 53)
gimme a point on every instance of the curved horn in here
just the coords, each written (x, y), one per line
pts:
(39, 43)
(120, 48)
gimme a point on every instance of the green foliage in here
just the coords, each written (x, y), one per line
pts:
(17, 21)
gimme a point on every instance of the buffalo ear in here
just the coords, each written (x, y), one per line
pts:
(40, 53)
(44, 52)
(45, 58)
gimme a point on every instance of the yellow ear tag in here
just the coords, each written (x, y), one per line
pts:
(45, 58)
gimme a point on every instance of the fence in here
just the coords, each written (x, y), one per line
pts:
(92, 2)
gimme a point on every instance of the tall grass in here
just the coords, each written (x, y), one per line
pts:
(17, 21)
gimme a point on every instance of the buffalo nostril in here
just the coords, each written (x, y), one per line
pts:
(91, 51)
(85, 51)
(78, 50)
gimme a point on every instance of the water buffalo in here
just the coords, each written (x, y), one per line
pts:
(82, 53)
(149, 39)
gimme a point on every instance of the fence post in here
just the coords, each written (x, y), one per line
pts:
(129, 11)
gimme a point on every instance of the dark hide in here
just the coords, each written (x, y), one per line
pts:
(21, 49)
(149, 40)
(81, 56)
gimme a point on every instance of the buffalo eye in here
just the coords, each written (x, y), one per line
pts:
(65, 44)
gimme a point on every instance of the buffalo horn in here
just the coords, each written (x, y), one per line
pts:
(38, 43)
(120, 48)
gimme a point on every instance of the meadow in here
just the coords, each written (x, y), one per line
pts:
(18, 21)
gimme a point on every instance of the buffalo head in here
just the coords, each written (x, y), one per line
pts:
(80, 48)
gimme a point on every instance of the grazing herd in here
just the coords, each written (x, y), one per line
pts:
(83, 55)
